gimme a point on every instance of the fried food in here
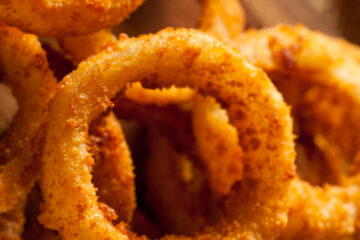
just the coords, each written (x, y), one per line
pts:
(79, 48)
(113, 173)
(25, 70)
(299, 52)
(65, 18)
(184, 58)
(218, 145)
(318, 76)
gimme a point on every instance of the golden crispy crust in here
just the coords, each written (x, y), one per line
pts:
(63, 17)
(218, 146)
(318, 76)
(26, 71)
(184, 58)
(81, 47)
(113, 173)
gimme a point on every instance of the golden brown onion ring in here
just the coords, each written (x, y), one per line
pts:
(319, 76)
(113, 176)
(184, 58)
(25, 70)
(299, 54)
(65, 18)
(217, 145)
(113, 173)
(79, 48)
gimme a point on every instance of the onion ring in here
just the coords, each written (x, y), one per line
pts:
(25, 69)
(79, 48)
(218, 145)
(113, 176)
(324, 98)
(65, 18)
(190, 59)
(92, 44)
(113, 173)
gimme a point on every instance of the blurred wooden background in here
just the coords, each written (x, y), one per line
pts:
(334, 17)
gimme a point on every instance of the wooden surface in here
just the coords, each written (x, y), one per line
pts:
(323, 15)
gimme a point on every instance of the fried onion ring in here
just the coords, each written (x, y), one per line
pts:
(25, 70)
(185, 58)
(65, 18)
(218, 145)
(94, 43)
(318, 76)
(113, 176)
(79, 48)
(113, 173)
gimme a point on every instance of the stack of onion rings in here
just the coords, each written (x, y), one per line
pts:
(239, 160)
(293, 57)
(190, 60)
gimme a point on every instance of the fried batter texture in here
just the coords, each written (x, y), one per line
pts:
(324, 98)
(113, 173)
(25, 70)
(218, 165)
(184, 58)
(325, 106)
(65, 18)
